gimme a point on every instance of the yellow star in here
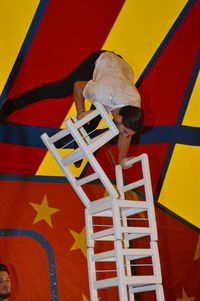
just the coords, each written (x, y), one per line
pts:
(197, 252)
(185, 297)
(84, 298)
(80, 241)
(44, 212)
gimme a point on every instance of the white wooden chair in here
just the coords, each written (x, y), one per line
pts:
(86, 149)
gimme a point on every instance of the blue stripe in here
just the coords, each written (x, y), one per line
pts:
(47, 247)
(172, 134)
(32, 178)
(28, 135)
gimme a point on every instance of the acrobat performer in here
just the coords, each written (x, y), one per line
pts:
(105, 77)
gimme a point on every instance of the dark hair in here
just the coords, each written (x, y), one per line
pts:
(133, 117)
(3, 268)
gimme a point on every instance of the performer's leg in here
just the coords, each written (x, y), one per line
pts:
(57, 89)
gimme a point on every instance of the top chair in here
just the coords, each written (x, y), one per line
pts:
(86, 148)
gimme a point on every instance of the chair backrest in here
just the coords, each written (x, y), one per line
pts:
(145, 182)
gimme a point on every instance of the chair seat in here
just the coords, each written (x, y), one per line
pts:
(134, 281)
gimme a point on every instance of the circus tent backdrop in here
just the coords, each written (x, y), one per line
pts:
(42, 228)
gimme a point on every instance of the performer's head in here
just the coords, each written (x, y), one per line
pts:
(130, 120)
(5, 285)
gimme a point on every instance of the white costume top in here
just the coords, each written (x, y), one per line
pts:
(112, 83)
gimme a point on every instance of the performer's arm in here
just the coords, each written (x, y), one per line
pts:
(123, 146)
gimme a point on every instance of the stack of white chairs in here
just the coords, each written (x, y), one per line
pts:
(121, 233)
(124, 234)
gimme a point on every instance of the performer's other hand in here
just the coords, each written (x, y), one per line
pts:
(83, 114)
(124, 160)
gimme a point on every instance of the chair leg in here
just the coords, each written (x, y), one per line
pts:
(91, 274)
(120, 271)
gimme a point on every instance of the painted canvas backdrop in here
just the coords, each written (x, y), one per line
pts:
(42, 230)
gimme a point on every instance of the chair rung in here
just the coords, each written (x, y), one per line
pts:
(128, 230)
(130, 254)
(133, 185)
(106, 238)
(104, 255)
(144, 288)
(106, 213)
(61, 134)
(102, 233)
(75, 156)
(132, 204)
(105, 283)
(132, 280)
(87, 179)
(136, 230)
(141, 280)
(131, 211)
(135, 236)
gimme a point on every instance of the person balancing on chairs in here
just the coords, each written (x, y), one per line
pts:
(103, 76)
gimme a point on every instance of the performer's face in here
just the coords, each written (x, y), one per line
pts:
(124, 131)
(5, 285)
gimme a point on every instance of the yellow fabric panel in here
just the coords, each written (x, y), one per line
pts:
(140, 28)
(180, 189)
(192, 115)
(15, 19)
(49, 167)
